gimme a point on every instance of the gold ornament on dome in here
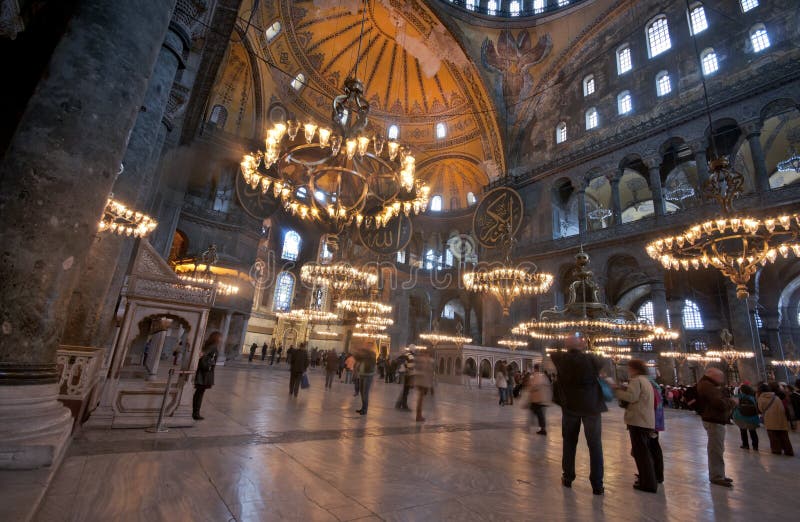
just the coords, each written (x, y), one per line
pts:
(735, 245)
(585, 315)
(124, 221)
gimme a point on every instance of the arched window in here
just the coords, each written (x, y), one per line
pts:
(592, 119)
(699, 345)
(284, 291)
(514, 8)
(646, 313)
(658, 39)
(273, 30)
(561, 132)
(431, 259)
(692, 320)
(491, 7)
(219, 115)
(538, 6)
(588, 85)
(471, 198)
(624, 60)
(448, 258)
(298, 82)
(449, 311)
(663, 83)
(393, 133)
(436, 204)
(748, 5)
(624, 102)
(759, 37)
(441, 130)
(697, 19)
(401, 256)
(708, 60)
(291, 246)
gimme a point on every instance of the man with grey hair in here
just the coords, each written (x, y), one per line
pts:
(715, 409)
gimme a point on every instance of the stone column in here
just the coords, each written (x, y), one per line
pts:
(655, 187)
(753, 133)
(92, 306)
(224, 329)
(582, 211)
(659, 295)
(701, 161)
(616, 202)
(54, 180)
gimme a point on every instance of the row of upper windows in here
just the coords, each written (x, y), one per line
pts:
(515, 7)
(692, 319)
(759, 39)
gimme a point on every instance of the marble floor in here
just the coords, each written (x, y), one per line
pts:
(261, 455)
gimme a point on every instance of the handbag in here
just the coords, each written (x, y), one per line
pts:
(304, 382)
(608, 395)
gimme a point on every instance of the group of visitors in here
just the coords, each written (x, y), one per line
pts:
(508, 381)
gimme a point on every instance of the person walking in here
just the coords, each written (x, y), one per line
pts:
(423, 380)
(272, 350)
(501, 382)
(637, 398)
(264, 348)
(540, 393)
(365, 368)
(280, 353)
(298, 364)
(580, 395)
(715, 409)
(745, 416)
(770, 405)
(407, 379)
(253, 348)
(331, 365)
(204, 376)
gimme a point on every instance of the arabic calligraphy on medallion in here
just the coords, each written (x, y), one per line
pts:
(390, 238)
(497, 210)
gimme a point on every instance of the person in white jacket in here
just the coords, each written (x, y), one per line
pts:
(540, 394)
(640, 418)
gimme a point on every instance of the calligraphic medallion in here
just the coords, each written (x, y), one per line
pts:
(390, 238)
(498, 209)
(258, 204)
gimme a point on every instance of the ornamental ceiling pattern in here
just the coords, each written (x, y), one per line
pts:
(414, 71)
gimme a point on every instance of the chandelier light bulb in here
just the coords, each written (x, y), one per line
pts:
(350, 148)
(310, 129)
(393, 147)
(378, 142)
(292, 127)
(363, 145)
(336, 144)
(280, 130)
(324, 137)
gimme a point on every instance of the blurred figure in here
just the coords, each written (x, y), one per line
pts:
(637, 397)
(365, 368)
(775, 420)
(715, 409)
(581, 399)
(204, 376)
(331, 365)
(407, 378)
(423, 380)
(349, 364)
(501, 382)
(794, 397)
(745, 416)
(280, 352)
(253, 348)
(272, 350)
(264, 348)
(540, 393)
(298, 364)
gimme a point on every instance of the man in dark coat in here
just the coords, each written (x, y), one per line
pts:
(204, 377)
(253, 348)
(581, 399)
(715, 407)
(264, 351)
(298, 364)
(272, 350)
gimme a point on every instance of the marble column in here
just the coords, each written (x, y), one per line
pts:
(582, 211)
(92, 308)
(54, 180)
(753, 132)
(655, 187)
(701, 161)
(659, 296)
(616, 202)
(224, 330)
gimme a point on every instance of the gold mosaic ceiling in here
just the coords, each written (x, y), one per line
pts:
(415, 76)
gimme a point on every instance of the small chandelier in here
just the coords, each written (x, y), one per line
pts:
(437, 338)
(791, 365)
(507, 282)
(728, 353)
(307, 315)
(679, 193)
(376, 336)
(339, 276)
(222, 288)
(363, 307)
(736, 246)
(125, 221)
(790, 163)
(599, 214)
(512, 343)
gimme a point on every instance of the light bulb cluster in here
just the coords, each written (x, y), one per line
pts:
(378, 320)
(377, 336)
(601, 330)
(729, 356)
(512, 344)
(792, 365)
(124, 221)
(222, 288)
(507, 283)
(702, 359)
(338, 276)
(436, 338)
(736, 246)
(325, 333)
(370, 327)
(307, 315)
(363, 307)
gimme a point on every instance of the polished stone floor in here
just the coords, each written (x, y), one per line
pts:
(261, 455)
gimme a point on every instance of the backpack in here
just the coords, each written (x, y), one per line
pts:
(747, 407)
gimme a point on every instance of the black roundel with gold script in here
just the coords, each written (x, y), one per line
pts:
(497, 209)
(390, 238)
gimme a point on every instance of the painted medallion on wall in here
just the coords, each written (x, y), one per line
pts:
(390, 238)
(497, 209)
(258, 204)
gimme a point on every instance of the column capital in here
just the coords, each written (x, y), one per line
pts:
(752, 128)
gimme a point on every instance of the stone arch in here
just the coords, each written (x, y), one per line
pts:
(486, 369)
(565, 212)
(470, 367)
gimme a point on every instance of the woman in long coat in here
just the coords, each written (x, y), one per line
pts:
(204, 376)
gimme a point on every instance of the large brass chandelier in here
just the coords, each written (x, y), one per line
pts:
(586, 315)
(339, 276)
(507, 281)
(735, 245)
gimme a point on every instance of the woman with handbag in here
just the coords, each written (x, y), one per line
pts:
(745, 416)
(771, 407)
